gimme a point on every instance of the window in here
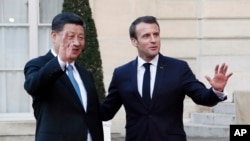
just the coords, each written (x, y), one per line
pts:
(47, 9)
(16, 48)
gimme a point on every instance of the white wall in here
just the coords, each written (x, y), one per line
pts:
(202, 32)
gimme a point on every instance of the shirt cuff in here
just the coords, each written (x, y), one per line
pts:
(61, 63)
(221, 95)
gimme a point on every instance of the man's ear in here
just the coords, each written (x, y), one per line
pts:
(53, 36)
(134, 42)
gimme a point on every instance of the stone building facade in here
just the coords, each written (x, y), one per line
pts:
(202, 32)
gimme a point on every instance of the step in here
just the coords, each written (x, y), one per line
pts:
(224, 108)
(21, 127)
(212, 118)
(202, 130)
(10, 124)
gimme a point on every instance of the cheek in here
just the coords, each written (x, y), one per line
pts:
(143, 46)
(58, 40)
(83, 44)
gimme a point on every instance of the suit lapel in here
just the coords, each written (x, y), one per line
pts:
(86, 82)
(66, 82)
(161, 68)
(134, 83)
(49, 56)
(72, 93)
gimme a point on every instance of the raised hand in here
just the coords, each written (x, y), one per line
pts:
(220, 77)
(64, 48)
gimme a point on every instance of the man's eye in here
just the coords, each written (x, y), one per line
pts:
(71, 36)
(156, 34)
(145, 36)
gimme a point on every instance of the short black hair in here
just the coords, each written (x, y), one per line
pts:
(143, 19)
(61, 19)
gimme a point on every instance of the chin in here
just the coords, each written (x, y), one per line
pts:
(74, 57)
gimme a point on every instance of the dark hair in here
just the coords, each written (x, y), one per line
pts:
(143, 19)
(61, 19)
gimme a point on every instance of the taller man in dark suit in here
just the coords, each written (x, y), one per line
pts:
(154, 110)
(65, 102)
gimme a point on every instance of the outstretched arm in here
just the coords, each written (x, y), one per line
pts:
(220, 77)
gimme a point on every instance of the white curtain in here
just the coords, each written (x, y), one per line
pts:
(13, 54)
(48, 9)
(14, 48)
(13, 9)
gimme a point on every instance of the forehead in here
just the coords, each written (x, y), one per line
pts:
(73, 28)
(143, 28)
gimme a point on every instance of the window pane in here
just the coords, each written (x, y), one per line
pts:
(14, 53)
(17, 98)
(48, 9)
(44, 42)
(14, 47)
(2, 92)
(13, 11)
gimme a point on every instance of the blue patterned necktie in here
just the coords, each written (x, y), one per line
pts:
(73, 81)
(146, 84)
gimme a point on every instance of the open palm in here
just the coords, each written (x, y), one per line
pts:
(220, 77)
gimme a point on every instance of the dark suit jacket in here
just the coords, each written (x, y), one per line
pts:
(59, 113)
(163, 119)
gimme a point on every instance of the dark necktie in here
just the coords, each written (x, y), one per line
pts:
(146, 84)
(73, 81)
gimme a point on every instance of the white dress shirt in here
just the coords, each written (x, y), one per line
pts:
(79, 82)
(141, 70)
(153, 68)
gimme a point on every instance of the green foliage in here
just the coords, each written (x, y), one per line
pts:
(91, 57)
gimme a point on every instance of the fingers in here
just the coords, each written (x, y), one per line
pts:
(221, 69)
(216, 69)
(64, 46)
(208, 78)
(65, 41)
(229, 75)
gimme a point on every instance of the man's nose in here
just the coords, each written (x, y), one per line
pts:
(76, 41)
(152, 38)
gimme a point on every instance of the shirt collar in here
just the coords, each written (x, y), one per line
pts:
(153, 62)
(72, 64)
(53, 52)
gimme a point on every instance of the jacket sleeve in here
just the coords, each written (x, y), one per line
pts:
(197, 90)
(41, 74)
(112, 102)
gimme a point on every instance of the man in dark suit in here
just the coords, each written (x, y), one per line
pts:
(154, 110)
(65, 102)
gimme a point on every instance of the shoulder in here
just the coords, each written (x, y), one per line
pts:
(82, 68)
(171, 60)
(132, 65)
(127, 65)
(40, 60)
